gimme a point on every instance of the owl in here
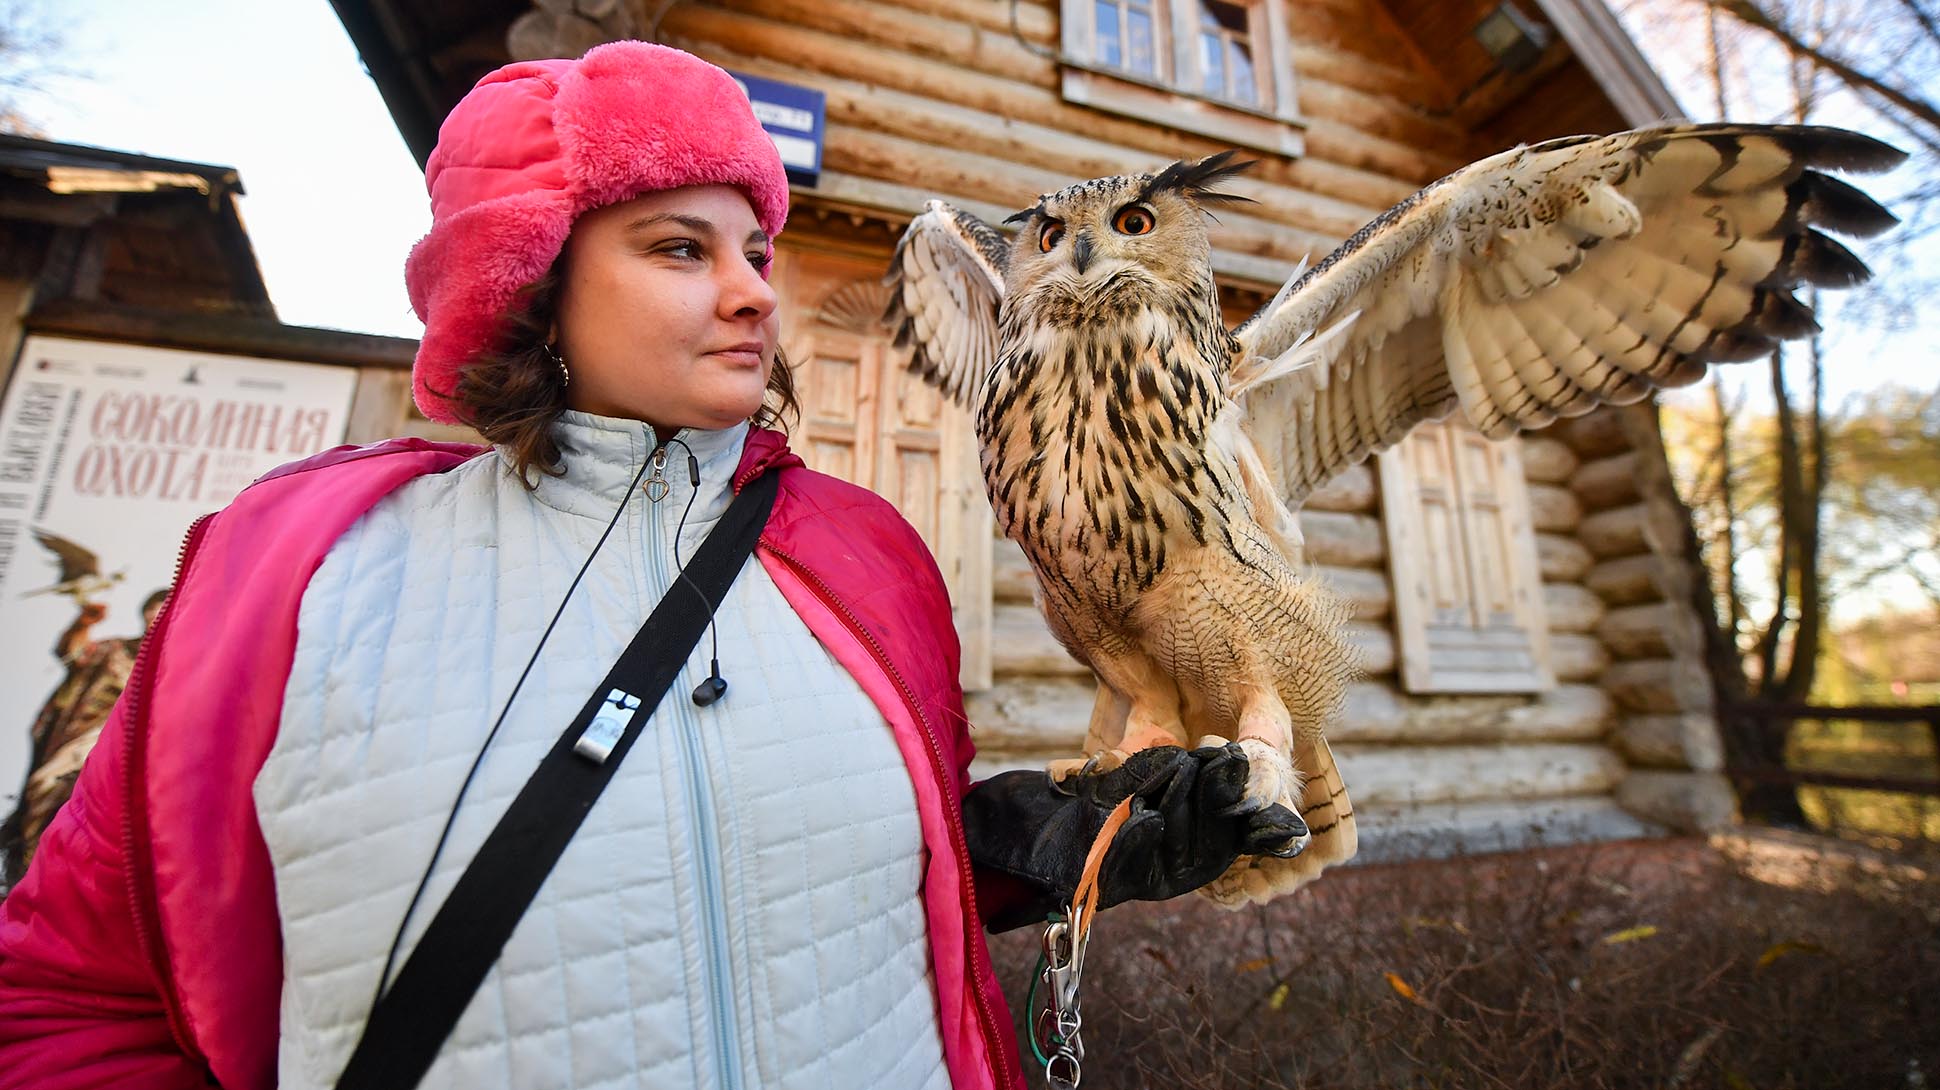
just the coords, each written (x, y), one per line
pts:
(1149, 461)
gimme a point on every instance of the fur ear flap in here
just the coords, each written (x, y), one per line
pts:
(1196, 179)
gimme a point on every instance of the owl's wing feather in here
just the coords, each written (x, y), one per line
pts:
(1547, 280)
(946, 282)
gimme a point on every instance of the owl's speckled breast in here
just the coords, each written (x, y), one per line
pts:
(1096, 449)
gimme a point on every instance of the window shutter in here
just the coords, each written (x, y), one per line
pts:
(867, 420)
(1462, 555)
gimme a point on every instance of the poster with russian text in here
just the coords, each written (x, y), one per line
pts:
(107, 453)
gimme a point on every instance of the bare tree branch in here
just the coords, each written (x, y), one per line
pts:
(1754, 16)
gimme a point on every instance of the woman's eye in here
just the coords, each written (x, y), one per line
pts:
(1133, 220)
(684, 250)
(760, 259)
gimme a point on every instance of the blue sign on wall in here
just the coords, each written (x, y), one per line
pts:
(794, 118)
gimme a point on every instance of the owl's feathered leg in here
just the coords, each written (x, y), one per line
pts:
(1138, 706)
(1265, 732)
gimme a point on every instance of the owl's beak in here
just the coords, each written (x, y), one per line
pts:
(1081, 251)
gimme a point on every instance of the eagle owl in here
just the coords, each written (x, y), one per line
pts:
(1149, 460)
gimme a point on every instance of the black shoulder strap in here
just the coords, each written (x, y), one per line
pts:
(410, 1023)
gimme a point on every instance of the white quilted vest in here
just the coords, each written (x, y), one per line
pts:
(742, 906)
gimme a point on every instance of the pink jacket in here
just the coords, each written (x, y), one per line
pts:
(142, 947)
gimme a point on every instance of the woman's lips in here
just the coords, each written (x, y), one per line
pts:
(746, 354)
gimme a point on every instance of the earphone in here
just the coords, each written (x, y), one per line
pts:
(715, 687)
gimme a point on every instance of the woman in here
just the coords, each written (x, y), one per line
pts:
(776, 890)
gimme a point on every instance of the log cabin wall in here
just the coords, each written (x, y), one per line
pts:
(1645, 571)
(969, 100)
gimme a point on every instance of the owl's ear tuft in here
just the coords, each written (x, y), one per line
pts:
(1026, 215)
(1197, 178)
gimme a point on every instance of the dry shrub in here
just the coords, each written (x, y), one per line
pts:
(1648, 964)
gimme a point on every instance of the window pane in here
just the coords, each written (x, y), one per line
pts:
(1245, 88)
(1106, 39)
(1212, 60)
(1217, 13)
(1142, 58)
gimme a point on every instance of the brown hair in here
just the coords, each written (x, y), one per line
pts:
(513, 393)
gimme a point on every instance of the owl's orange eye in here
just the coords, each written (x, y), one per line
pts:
(1052, 235)
(1133, 219)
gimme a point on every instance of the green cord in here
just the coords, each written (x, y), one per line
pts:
(1030, 1000)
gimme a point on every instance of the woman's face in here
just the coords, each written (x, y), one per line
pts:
(663, 315)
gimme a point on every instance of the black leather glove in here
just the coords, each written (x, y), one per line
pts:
(1180, 835)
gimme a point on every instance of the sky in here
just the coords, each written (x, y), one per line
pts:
(333, 199)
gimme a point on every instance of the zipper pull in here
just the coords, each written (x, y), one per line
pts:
(656, 485)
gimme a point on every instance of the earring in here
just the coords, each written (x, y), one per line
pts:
(565, 376)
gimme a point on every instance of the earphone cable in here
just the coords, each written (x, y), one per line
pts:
(390, 959)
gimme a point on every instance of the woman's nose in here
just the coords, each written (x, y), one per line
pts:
(746, 292)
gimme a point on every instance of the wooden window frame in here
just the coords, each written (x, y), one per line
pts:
(829, 318)
(1178, 100)
(1506, 652)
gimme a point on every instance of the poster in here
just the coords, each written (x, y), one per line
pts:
(107, 453)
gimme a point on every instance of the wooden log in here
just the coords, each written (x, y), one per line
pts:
(1546, 459)
(1681, 740)
(1011, 579)
(1571, 607)
(1351, 490)
(1393, 834)
(1660, 685)
(1616, 531)
(1692, 802)
(912, 33)
(1377, 117)
(1366, 590)
(1041, 716)
(1652, 630)
(1343, 540)
(1376, 713)
(1375, 646)
(1607, 482)
(1021, 643)
(1036, 22)
(964, 174)
(1577, 657)
(808, 54)
(1562, 559)
(1626, 580)
(1364, 73)
(1067, 156)
(1553, 509)
(1044, 717)
(1400, 775)
(1596, 435)
(1340, 142)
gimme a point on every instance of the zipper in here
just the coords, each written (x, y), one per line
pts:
(141, 886)
(1002, 1061)
(700, 813)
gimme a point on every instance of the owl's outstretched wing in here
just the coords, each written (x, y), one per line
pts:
(1544, 281)
(946, 281)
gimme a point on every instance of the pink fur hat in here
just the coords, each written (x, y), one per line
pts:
(537, 143)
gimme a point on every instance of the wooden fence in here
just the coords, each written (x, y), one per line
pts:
(1771, 719)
